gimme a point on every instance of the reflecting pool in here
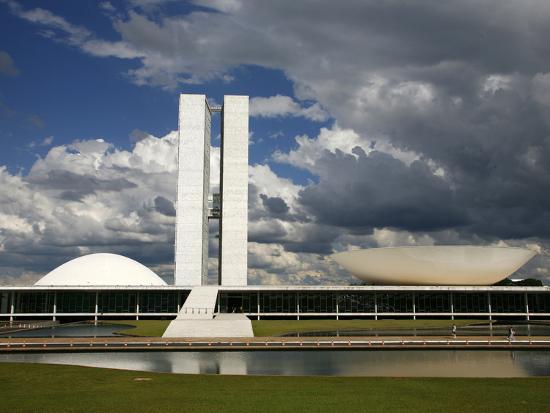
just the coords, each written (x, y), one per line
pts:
(491, 330)
(71, 330)
(392, 363)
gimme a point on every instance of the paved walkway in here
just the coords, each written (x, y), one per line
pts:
(267, 343)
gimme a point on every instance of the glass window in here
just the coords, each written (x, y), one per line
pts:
(117, 302)
(34, 302)
(317, 302)
(432, 302)
(470, 303)
(355, 302)
(238, 302)
(507, 303)
(158, 302)
(394, 302)
(539, 302)
(75, 302)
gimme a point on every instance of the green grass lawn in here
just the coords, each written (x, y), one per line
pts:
(50, 388)
(263, 328)
(143, 328)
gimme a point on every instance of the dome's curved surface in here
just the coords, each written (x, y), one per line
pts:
(101, 270)
(434, 265)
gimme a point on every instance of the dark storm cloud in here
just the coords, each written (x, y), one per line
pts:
(268, 231)
(315, 239)
(275, 205)
(463, 85)
(165, 206)
(377, 190)
(75, 186)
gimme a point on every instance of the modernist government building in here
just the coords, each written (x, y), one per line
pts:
(413, 282)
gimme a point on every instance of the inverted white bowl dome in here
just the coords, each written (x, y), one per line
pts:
(434, 265)
(101, 270)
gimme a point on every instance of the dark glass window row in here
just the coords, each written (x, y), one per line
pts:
(276, 302)
(394, 302)
(34, 302)
(84, 302)
(75, 302)
(539, 303)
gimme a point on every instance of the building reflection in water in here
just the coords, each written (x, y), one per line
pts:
(400, 363)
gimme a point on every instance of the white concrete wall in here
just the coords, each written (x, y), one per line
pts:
(191, 255)
(234, 191)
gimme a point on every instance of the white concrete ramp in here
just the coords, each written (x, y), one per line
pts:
(200, 304)
(223, 325)
(197, 318)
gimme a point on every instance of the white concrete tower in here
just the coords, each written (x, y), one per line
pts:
(233, 261)
(191, 251)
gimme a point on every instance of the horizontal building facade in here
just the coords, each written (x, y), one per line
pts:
(58, 303)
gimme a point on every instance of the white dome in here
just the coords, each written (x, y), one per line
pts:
(434, 265)
(101, 270)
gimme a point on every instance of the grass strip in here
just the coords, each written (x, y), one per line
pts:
(142, 328)
(51, 388)
(266, 328)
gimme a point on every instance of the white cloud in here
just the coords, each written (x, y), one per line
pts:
(285, 106)
(389, 88)
(496, 82)
(57, 25)
(310, 150)
(221, 5)
(90, 196)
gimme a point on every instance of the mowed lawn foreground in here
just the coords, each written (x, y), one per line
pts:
(51, 388)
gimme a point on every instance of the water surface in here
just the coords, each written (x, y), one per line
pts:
(529, 330)
(392, 363)
(71, 330)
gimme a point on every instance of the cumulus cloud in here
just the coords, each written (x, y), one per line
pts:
(410, 198)
(90, 196)
(449, 107)
(283, 106)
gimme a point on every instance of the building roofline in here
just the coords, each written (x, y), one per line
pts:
(297, 288)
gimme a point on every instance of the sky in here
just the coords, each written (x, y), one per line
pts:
(374, 123)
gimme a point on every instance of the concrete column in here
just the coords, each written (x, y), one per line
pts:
(298, 307)
(452, 307)
(191, 252)
(233, 261)
(137, 305)
(489, 306)
(54, 305)
(526, 307)
(337, 308)
(96, 306)
(258, 302)
(12, 306)
(414, 306)
(375, 308)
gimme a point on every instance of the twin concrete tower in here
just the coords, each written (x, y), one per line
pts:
(192, 208)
